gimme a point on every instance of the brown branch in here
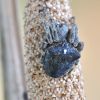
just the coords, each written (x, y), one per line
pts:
(39, 85)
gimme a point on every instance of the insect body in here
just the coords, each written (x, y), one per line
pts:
(60, 51)
(59, 59)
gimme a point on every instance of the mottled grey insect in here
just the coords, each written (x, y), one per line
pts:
(61, 46)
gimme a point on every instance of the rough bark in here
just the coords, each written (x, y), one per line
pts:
(39, 85)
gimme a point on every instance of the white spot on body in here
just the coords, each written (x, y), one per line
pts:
(65, 51)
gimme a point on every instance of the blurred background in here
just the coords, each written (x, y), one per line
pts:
(87, 14)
